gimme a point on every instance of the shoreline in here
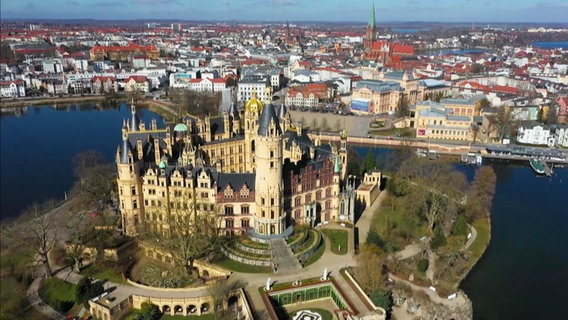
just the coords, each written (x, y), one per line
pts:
(26, 102)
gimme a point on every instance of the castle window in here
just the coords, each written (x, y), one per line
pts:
(229, 211)
(271, 201)
(271, 154)
(262, 202)
(135, 204)
(133, 190)
(271, 164)
(229, 223)
(245, 223)
(245, 210)
(271, 214)
(263, 214)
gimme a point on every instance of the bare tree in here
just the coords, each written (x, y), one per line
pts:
(370, 270)
(96, 180)
(193, 230)
(36, 231)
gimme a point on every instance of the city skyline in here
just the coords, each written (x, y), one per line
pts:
(506, 11)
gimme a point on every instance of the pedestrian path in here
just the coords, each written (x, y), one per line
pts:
(283, 258)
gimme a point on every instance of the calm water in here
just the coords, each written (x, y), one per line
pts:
(38, 148)
(551, 44)
(523, 274)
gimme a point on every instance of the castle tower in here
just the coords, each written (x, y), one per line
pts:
(129, 186)
(343, 153)
(253, 108)
(270, 217)
(371, 31)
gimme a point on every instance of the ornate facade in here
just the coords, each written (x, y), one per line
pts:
(253, 169)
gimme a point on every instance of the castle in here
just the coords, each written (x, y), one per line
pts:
(254, 169)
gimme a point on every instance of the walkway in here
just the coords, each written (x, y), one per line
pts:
(283, 258)
(330, 261)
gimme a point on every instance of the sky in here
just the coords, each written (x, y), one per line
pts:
(545, 11)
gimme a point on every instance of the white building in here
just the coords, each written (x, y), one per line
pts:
(52, 66)
(561, 136)
(207, 85)
(12, 89)
(534, 134)
(260, 85)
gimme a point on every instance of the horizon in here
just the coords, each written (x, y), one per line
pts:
(276, 11)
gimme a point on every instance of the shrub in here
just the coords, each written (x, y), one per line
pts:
(422, 266)
(439, 239)
(460, 227)
(382, 298)
(62, 306)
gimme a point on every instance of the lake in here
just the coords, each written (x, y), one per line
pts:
(38, 148)
(550, 44)
(523, 274)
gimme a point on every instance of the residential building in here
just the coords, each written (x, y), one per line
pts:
(259, 85)
(307, 95)
(12, 89)
(137, 84)
(534, 133)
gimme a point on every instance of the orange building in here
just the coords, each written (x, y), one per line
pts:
(123, 53)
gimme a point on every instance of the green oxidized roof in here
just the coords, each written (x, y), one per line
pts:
(180, 127)
(372, 18)
(336, 168)
(162, 164)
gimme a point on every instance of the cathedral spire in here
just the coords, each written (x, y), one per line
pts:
(371, 24)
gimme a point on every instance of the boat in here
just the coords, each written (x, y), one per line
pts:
(472, 158)
(536, 165)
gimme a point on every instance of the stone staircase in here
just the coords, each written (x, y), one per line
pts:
(283, 258)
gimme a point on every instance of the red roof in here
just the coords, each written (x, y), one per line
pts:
(402, 49)
(137, 79)
(506, 89)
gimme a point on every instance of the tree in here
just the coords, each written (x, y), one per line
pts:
(480, 194)
(82, 234)
(475, 130)
(96, 180)
(193, 231)
(149, 311)
(439, 239)
(460, 227)
(87, 289)
(370, 270)
(35, 233)
(402, 107)
(503, 119)
(477, 68)
(369, 163)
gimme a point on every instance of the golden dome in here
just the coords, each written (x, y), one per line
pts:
(254, 104)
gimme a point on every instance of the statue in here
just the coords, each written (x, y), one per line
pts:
(268, 283)
(325, 273)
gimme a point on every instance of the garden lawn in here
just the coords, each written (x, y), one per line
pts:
(55, 290)
(103, 273)
(240, 267)
(316, 256)
(338, 239)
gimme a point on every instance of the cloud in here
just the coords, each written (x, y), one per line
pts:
(107, 4)
(225, 2)
(158, 2)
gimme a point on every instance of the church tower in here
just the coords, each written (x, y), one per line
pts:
(371, 31)
(270, 218)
